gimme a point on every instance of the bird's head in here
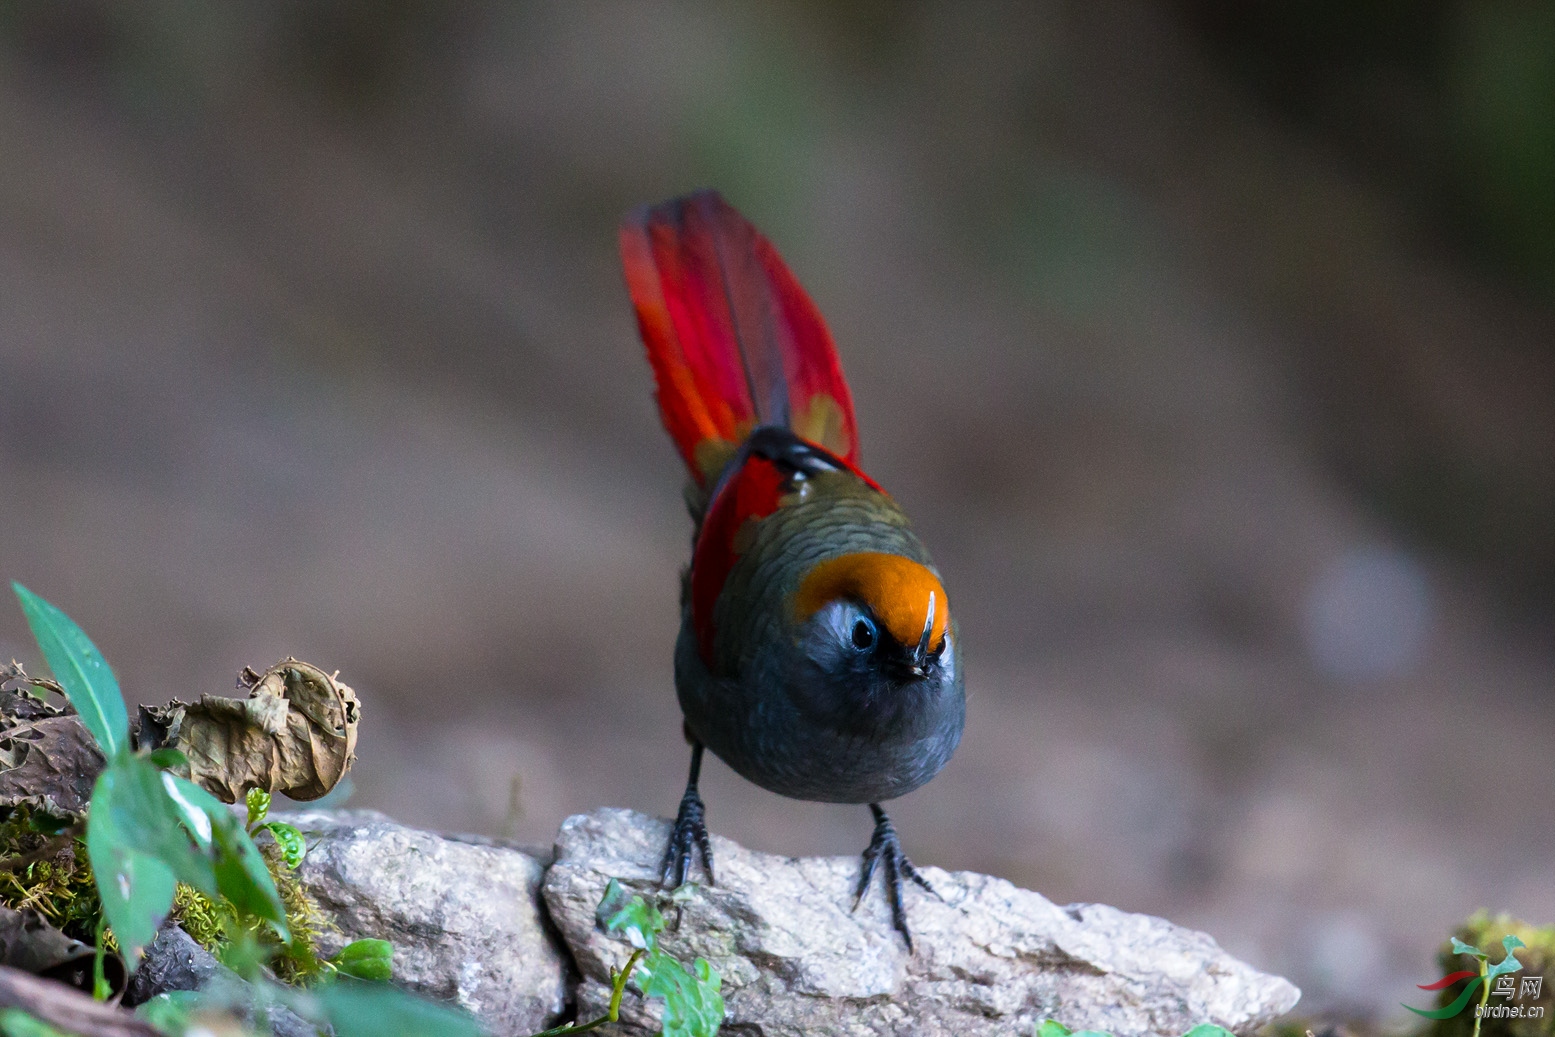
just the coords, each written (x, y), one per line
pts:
(874, 638)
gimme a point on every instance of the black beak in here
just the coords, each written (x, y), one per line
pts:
(920, 655)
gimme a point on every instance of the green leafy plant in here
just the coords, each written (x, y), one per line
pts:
(1535, 983)
(693, 1003)
(212, 923)
(81, 671)
(286, 836)
(1049, 1028)
(371, 960)
(350, 1007)
(357, 1009)
(148, 830)
(368, 959)
(170, 1012)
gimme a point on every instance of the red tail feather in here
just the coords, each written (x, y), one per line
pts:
(733, 339)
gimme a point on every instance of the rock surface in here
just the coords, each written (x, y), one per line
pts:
(175, 961)
(490, 927)
(991, 958)
(465, 920)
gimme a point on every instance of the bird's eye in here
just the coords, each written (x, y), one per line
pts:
(863, 634)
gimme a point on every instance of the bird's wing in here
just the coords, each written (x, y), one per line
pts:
(734, 341)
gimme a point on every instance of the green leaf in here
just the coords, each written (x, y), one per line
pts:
(141, 816)
(293, 849)
(81, 671)
(616, 897)
(371, 960)
(18, 1022)
(693, 1005)
(1054, 1028)
(169, 1012)
(359, 1009)
(138, 852)
(258, 806)
(640, 921)
(136, 890)
(45, 824)
(168, 758)
(1508, 963)
(241, 875)
(1459, 947)
(246, 956)
(1209, 1030)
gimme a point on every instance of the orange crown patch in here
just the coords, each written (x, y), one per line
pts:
(895, 588)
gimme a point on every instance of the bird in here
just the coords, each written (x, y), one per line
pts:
(818, 651)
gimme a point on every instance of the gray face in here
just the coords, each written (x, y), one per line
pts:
(847, 673)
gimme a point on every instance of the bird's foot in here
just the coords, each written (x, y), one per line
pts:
(885, 851)
(687, 838)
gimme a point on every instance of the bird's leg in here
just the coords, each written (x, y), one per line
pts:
(689, 835)
(885, 849)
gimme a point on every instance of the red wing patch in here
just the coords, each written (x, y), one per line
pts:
(751, 493)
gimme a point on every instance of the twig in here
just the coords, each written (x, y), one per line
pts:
(67, 1008)
(613, 1013)
(42, 853)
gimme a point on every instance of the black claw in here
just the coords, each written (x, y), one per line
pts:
(705, 847)
(893, 885)
(912, 873)
(884, 847)
(871, 859)
(689, 836)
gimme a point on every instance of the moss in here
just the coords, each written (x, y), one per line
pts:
(60, 888)
(212, 923)
(63, 891)
(305, 918)
(201, 917)
(1485, 931)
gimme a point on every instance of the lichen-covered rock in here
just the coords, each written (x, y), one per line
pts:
(991, 958)
(465, 920)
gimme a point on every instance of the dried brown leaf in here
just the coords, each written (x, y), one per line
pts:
(48, 759)
(294, 734)
(30, 943)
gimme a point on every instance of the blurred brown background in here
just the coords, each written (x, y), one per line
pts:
(1210, 344)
